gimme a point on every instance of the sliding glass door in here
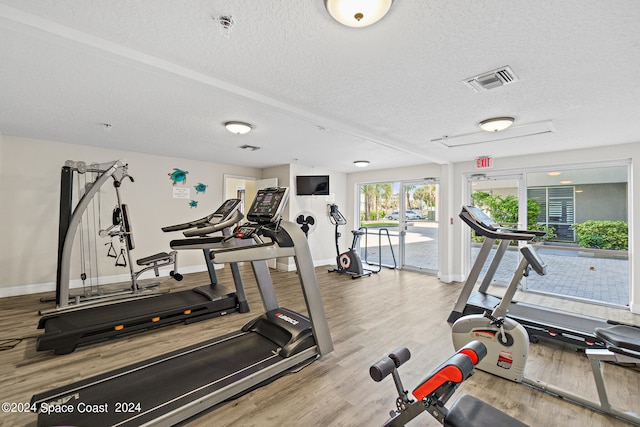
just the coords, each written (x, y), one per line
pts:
(584, 211)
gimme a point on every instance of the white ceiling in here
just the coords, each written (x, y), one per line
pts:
(319, 94)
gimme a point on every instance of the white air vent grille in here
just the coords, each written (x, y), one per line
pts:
(492, 79)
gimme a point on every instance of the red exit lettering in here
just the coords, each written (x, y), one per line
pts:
(483, 163)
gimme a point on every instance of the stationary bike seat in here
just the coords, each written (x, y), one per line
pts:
(471, 412)
(626, 337)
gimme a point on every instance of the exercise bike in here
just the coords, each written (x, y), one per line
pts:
(349, 262)
(507, 343)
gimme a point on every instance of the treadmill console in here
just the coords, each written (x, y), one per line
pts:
(480, 217)
(245, 231)
(268, 205)
(226, 209)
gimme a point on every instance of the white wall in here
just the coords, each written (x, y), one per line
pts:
(322, 239)
(30, 191)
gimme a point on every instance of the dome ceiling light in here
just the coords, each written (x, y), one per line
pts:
(357, 13)
(496, 124)
(239, 128)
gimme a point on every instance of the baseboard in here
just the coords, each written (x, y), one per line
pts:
(451, 278)
(285, 266)
(320, 263)
(36, 288)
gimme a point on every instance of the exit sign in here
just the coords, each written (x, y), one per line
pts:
(484, 163)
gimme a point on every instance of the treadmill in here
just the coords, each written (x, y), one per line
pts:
(65, 331)
(540, 322)
(173, 387)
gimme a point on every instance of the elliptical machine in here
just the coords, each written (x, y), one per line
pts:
(348, 262)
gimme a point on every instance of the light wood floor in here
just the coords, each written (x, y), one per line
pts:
(368, 318)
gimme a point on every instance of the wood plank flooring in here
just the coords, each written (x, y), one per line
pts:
(368, 318)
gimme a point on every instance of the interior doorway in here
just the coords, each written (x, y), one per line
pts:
(245, 188)
(240, 187)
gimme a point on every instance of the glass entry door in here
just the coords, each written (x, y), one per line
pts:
(498, 196)
(418, 225)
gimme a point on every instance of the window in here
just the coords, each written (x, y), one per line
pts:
(556, 209)
(584, 210)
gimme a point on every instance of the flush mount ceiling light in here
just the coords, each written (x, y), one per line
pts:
(239, 128)
(357, 13)
(496, 124)
(361, 163)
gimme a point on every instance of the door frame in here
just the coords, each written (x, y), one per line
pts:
(470, 178)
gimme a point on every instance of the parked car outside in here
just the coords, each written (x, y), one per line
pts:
(408, 214)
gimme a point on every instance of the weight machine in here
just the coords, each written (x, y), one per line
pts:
(71, 222)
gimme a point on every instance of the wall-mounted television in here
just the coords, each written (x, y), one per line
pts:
(312, 185)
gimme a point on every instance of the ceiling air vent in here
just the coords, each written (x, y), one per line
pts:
(492, 79)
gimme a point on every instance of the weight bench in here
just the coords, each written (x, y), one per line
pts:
(434, 391)
(155, 261)
(152, 262)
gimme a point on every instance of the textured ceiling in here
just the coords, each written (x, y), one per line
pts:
(319, 94)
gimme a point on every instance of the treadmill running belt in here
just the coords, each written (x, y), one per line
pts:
(570, 322)
(539, 317)
(126, 310)
(169, 382)
(65, 331)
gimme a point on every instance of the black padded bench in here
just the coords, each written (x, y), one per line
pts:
(468, 411)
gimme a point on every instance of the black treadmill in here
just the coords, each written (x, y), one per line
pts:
(65, 331)
(540, 322)
(173, 387)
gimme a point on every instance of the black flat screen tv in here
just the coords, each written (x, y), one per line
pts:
(312, 185)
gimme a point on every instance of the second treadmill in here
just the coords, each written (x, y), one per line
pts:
(65, 331)
(540, 322)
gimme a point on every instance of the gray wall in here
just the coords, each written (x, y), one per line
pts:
(601, 202)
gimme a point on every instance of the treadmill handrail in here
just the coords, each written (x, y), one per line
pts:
(235, 218)
(256, 252)
(498, 232)
(220, 214)
(190, 224)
